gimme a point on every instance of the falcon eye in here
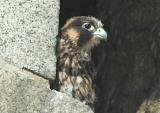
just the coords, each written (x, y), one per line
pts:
(88, 26)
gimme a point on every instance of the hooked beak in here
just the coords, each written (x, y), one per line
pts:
(100, 33)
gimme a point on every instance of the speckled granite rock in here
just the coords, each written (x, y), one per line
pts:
(27, 34)
(61, 103)
(150, 106)
(21, 92)
(24, 92)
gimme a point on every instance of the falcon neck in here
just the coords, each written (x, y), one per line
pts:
(74, 62)
(68, 49)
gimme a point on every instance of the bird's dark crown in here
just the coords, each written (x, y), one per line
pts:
(79, 20)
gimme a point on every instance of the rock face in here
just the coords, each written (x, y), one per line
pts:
(21, 92)
(27, 34)
(25, 92)
(61, 103)
(130, 74)
(27, 61)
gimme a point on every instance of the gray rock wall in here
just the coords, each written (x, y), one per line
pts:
(24, 92)
(27, 34)
(27, 59)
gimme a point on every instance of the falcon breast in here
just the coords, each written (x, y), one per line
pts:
(76, 73)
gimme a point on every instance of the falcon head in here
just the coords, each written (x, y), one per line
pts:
(83, 32)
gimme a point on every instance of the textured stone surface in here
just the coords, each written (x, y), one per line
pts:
(27, 34)
(61, 103)
(20, 91)
(24, 92)
(150, 106)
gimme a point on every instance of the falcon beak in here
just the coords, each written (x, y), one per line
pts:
(100, 33)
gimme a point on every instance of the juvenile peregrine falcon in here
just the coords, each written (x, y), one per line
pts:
(76, 73)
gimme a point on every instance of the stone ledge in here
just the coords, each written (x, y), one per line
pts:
(61, 103)
(24, 92)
